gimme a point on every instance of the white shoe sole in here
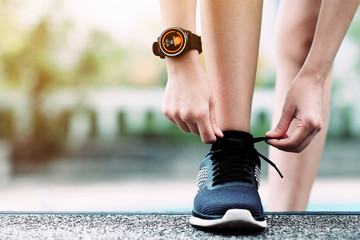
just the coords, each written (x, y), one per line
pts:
(233, 219)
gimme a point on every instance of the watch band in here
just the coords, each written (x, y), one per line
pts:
(191, 41)
(195, 42)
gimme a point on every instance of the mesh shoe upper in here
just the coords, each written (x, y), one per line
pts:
(212, 204)
(229, 177)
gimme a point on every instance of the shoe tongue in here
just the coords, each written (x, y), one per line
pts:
(231, 139)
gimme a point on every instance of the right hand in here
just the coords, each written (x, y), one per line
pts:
(188, 101)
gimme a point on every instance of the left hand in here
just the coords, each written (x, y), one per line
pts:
(304, 103)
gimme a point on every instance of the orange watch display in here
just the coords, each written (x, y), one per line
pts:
(174, 41)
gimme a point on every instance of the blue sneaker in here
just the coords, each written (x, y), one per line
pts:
(228, 183)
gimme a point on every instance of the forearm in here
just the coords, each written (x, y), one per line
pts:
(180, 14)
(334, 19)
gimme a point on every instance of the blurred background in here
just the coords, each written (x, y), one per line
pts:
(81, 127)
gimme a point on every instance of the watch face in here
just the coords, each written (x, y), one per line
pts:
(172, 41)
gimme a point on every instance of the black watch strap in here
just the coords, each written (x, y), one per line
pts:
(157, 51)
(195, 42)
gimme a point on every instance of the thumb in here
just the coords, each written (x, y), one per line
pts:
(213, 123)
(282, 126)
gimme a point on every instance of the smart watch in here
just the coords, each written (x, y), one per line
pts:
(174, 41)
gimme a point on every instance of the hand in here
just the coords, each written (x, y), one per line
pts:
(188, 102)
(304, 103)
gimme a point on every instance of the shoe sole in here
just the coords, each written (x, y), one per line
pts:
(233, 219)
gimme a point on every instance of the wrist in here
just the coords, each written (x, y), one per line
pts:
(314, 74)
(189, 61)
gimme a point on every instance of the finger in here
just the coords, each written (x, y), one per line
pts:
(308, 139)
(213, 123)
(206, 130)
(282, 126)
(167, 114)
(182, 125)
(189, 120)
(193, 128)
(291, 143)
(172, 121)
(306, 142)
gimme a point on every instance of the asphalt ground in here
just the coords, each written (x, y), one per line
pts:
(171, 226)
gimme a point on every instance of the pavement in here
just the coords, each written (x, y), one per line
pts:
(171, 226)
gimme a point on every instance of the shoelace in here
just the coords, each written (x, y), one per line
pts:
(229, 169)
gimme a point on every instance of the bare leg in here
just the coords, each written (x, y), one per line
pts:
(295, 29)
(231, 32)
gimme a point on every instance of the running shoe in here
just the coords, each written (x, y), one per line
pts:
(228, 183)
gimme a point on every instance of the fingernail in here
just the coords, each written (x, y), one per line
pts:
(272, 131)
(268, 132)
(220, 133)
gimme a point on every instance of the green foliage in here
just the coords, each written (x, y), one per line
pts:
(29, 63)
(32, 62)
(101, 62)
(30, 57)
